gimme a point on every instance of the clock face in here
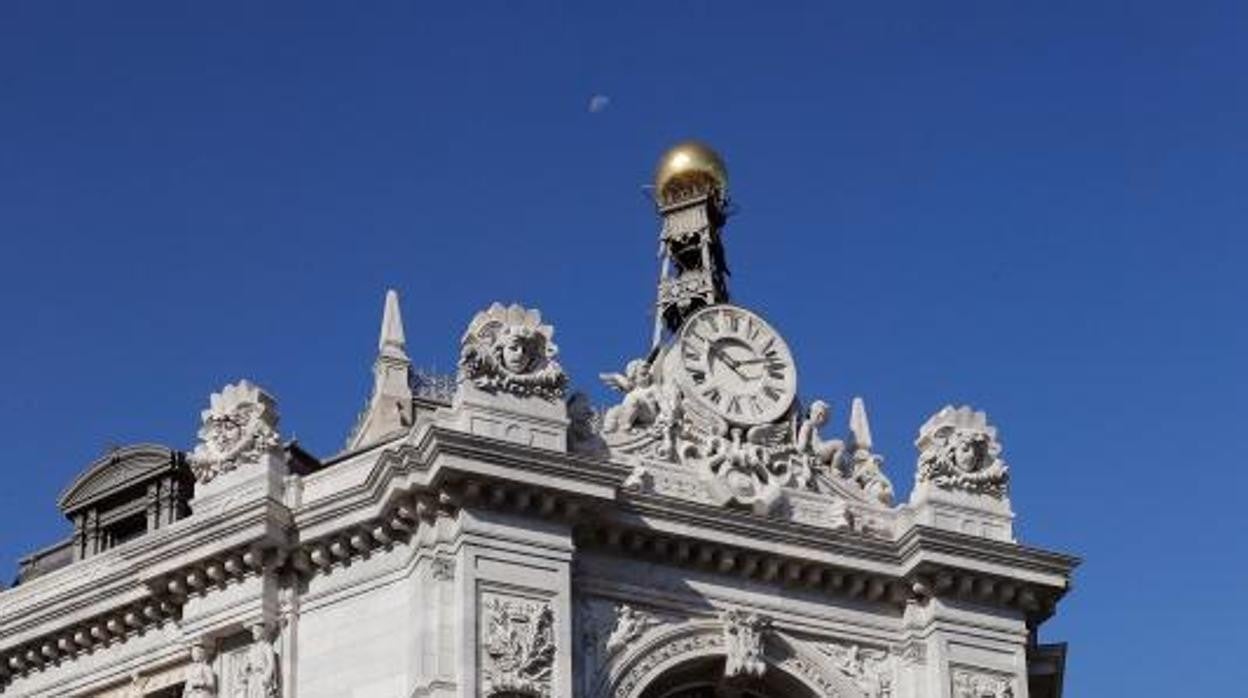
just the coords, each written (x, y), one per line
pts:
(733, 362)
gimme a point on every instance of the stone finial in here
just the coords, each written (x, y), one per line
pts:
(238, 429)
(859, 428)
(507, 349)
(865, 467)
(959, 451)
(390, 408)
(392, 342)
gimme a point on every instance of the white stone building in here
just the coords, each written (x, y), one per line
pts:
(495, 535)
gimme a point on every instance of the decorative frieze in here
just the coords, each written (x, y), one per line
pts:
(686, 644)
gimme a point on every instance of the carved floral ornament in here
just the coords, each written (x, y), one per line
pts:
(518, 647)
(508, 349)
(959, 450)
(970, 683)
(239, 428)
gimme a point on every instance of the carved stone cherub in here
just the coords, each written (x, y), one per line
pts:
(826, 453)
(640, 407)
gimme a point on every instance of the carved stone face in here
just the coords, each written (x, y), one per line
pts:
(642, 377)
(819, 413)
(225, 432)
(517, 351)
(966, 451)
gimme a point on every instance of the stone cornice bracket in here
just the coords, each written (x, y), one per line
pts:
(83, 637)
(217, 572)
(1036, 601)
(725, 559)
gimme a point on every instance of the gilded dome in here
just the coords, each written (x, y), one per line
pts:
(689, 166)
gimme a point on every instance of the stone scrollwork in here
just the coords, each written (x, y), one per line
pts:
(630, 624)
(742, 468)
(968, 683)
(959, 450)
(508, 349)
(869, 669)
(239, 428)
(743, 643)
(518, 647)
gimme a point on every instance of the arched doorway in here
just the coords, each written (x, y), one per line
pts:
(702, 677)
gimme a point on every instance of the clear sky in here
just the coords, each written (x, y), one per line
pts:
(1039, 211)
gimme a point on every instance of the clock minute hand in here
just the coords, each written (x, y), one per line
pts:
(747, 362)
(728, 361)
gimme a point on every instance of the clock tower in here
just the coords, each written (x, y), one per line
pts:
(691, 192)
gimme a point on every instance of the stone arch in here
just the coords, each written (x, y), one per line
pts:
(680, 648)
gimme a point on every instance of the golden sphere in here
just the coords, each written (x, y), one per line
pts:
(689, 166)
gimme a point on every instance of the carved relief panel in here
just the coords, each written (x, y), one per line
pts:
(517, 645)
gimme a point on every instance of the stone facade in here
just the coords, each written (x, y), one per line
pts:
(701, 537)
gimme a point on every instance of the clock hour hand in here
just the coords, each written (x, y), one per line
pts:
(728, 361)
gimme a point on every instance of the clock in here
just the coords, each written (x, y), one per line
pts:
(735, 364)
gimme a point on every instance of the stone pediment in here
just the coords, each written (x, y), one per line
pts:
(116, 470)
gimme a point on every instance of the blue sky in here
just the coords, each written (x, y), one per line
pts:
(1035, 210)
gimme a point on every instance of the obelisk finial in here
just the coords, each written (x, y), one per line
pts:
(858, 426)
(392, 342)
(390, 409)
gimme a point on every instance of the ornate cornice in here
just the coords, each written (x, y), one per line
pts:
(437, 472)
